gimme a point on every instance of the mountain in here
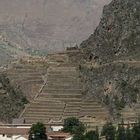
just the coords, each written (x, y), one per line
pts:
(11, 51)
(111, 56)
(47, 24)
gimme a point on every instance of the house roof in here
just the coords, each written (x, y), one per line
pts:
(59, 134)
(24, 132)
(14, 131)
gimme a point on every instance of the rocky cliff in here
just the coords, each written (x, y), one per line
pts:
(118, 35)
(111, 66)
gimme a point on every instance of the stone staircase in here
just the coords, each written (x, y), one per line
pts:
(61, 97)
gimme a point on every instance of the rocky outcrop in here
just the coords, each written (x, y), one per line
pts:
(118, 35)
(111, 56)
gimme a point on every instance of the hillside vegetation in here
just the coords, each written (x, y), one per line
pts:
(12, 100)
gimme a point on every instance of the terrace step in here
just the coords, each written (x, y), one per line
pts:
(32, 110)
(129, 114)
(49, 90)
(64, 99)
(36, 81)
(59, 76)
(61, 69)
(67, 93)
(62, 87)
(35, 114)
(62, 73)
(45, 101)
(61, 96)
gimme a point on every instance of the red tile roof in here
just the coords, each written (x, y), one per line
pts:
(59, 134)
(14, 131)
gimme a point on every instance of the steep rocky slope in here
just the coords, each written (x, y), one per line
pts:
(118, 35)
(49, 24)
(111, 56)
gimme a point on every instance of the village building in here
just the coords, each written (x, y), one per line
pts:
(21, 132)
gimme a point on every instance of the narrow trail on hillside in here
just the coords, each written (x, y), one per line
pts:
(42, 86)
(133, 62)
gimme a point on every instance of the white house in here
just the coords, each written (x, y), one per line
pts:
(14, 133)
(56, 128)
(21, 133)
(14, 137)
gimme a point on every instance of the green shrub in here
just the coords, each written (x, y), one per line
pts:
(38, 132)
(73, 126)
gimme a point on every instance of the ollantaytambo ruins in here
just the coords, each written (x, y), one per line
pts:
(69, 69)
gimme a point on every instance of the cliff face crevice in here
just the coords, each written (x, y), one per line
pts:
(111, 56)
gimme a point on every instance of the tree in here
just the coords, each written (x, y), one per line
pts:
(38, 132)
(108, 131)
(78, 137)
(92, 135)
(97, 133)
(136, 131)
(121, 135)
(128, 133)
(73, 126)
